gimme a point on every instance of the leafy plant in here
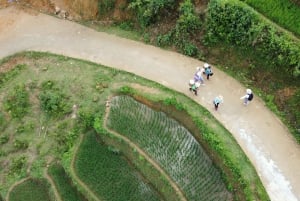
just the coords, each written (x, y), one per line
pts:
(20, 144)
(53, 101)
(4, 139)
(237, 24)
(17, 102)
(149, 11)
(17, 165)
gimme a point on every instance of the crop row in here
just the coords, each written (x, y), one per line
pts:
(108, 174)
(171, 145)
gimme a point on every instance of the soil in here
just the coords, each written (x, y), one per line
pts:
(263, 137)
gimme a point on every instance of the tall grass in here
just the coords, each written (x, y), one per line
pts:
(171, 145)
(283, 12)
(107, 173)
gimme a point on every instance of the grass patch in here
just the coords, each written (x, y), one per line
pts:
(108, 174)
(64, 185)
(31, 189)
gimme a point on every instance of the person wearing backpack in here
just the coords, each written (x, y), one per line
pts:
(248, 97)
(218, 100)
(208, 71)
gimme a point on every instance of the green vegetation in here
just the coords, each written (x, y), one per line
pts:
(236, 23)
(108, 174)
(258, 52)
(171, 145)
(30, 142)
(31, 189)
(64, 184)
(283, 12)
(53, 101)
(149, 12)
(17, 102)
(271, 56)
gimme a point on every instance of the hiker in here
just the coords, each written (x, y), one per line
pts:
(198, 75)
(208, 71)
(217, 101)
(194, 86)
(248, 97)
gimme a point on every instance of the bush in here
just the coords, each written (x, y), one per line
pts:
(19, 144)
(53, 101)
(4, 139)
(149, 11)
(104, 6)
(17, 165)
(17, 102)
(236, 23)
(186, 28)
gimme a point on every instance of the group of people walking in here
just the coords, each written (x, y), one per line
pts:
(198, 80)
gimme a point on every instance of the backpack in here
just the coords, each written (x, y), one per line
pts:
(250, 97)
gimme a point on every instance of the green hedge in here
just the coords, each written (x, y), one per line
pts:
(237, 23)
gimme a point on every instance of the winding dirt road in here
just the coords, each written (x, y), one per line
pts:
(266, 141)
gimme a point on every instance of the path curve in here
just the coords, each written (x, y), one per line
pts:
(266, 141)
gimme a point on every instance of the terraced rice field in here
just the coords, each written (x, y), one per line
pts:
(171, 145)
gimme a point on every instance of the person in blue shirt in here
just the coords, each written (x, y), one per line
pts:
(208, 71)
(218, 100)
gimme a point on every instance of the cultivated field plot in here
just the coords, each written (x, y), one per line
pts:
(171, 145)
(109, 175)
(31, 190)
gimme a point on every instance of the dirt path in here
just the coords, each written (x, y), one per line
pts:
(263, 137)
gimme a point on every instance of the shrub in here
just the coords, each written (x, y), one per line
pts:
(149, 11)
(17, 102)
(104, 6)
(20, 144)
(186, 27)
(4, 139)
(17, 165)
(236, 23)
(53, 101)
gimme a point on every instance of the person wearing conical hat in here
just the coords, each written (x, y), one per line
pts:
(218, 100)
(248, 97)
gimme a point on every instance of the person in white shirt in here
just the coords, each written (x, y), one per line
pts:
(248, 97)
